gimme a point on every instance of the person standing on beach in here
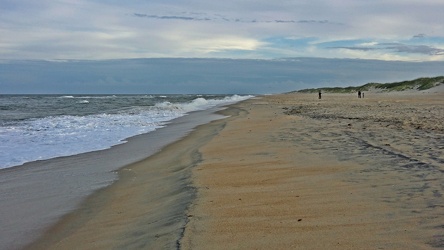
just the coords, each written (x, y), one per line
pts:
(359, 94)
(320, 94)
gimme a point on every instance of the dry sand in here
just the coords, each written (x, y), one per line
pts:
(282, 172)
(294, 172)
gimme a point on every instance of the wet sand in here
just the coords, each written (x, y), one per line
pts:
(281, 172)
(36, 195)
(146, 207)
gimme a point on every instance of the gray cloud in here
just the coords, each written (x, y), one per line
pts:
(419, 36)
(317, 21)
(355, 48)
(417, 49)
(114, 29)
(235, 20)
(185, 18)
(399, 48)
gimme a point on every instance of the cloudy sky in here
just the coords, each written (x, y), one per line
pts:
(405, 30)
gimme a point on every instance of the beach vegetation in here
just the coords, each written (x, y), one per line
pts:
(423, 83)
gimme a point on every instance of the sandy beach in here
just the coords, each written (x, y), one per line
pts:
(285, 171)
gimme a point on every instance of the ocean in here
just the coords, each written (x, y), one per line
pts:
(56, 150)
(39, 127)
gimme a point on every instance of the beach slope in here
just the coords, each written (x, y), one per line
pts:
(295, 172)
(285, 171)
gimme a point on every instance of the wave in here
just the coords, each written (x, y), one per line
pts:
(87, 97)
(42, 138)
(201, 103)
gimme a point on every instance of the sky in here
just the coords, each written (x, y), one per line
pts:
(406, 30)
(260, 46)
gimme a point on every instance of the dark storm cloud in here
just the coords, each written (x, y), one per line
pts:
(184, 75)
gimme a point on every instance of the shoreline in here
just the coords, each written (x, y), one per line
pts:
(134, 213)
(281, 171)
(30, 205)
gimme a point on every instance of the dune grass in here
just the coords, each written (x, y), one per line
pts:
(423, 83)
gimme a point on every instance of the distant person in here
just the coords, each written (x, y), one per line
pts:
(362, 94)
(320, 94)
(359, 94)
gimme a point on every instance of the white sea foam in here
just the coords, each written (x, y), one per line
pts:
(54, 136)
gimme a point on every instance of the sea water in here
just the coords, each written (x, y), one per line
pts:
(35, 130)
(39, 127)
